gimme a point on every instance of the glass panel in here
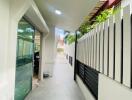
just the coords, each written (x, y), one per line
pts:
(20, 48)
(24, 62)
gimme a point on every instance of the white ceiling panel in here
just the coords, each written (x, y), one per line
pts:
(73, 12)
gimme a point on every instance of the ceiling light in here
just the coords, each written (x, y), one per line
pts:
(58, 12)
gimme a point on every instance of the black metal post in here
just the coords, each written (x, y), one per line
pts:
(75, 63)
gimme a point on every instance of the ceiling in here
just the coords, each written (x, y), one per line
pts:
(73, 12)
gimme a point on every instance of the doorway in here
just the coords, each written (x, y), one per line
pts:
(24, 60)
(36, 68)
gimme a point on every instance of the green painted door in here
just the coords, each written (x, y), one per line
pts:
(24, 62)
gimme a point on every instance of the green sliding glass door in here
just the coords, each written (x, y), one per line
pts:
(24, 61)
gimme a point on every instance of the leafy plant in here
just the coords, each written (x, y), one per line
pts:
(104, 15)
(70, 38)
(85, 28)
(88, 26)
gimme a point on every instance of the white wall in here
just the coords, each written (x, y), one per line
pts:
(70, 50)
(49, 51)
(11, 12)
(4, 26)
(87, 94)
(126, 2)
(112, 90)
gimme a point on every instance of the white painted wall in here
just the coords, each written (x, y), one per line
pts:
(87, 94)
(112, 90)
(70, 50)
(50, 47)
(4, 26)
(126, 2)
(11, 12)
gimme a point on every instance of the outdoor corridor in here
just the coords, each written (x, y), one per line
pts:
(59, 87)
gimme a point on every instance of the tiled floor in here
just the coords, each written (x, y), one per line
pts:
(60, 87)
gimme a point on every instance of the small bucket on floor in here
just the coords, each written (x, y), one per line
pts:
(45, 75)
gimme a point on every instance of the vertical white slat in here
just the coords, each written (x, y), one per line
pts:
(111, 47)
(101, 47)
(95, 49)
(98, 48)
(84, 51)
(106, 47)
(80, 53)
(118, 46)
(79, 50)
(126, 46)
(92, 49)
(88, 51)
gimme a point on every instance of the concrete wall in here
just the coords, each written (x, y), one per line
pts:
(126, 2)
(112, 90)
(4, 26)
(70, 50)
(50, 51)
(87, 94)
(11, 11)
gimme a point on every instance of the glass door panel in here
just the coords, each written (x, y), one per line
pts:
(24, 61)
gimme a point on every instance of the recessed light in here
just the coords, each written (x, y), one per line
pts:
(58, 12)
